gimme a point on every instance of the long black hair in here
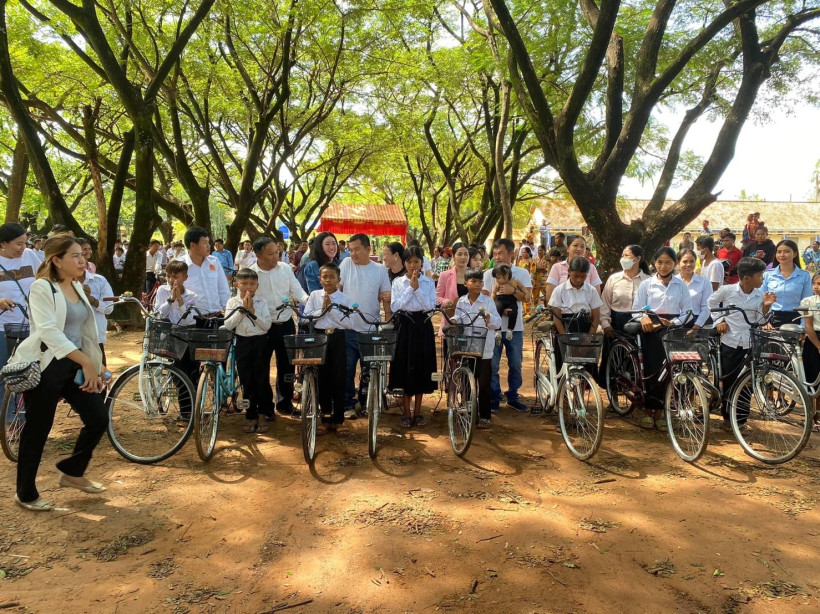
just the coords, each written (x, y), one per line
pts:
(638, 252)
(317, 252)
(792, 246)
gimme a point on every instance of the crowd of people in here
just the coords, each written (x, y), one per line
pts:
(496, 290)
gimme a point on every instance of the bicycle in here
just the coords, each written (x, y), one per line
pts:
(778, 422)
(688, 391)
(572, 389)
(147, 421)
(465, 347)
(218, 381)
(147, 298)
(13, 408)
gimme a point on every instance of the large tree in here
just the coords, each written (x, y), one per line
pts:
(632, 59)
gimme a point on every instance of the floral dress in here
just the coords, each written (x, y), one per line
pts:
(530, 264)
(539, 278)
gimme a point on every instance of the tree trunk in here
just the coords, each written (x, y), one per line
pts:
(17, 181)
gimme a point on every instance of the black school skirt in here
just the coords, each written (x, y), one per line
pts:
(415, 360)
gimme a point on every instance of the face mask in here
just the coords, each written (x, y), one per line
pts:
(627, 263)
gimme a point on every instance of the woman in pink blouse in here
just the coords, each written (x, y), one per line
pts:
(559, 272)
(451, 282)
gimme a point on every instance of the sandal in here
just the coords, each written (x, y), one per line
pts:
(263, 427)
(483, 423)
(324, 429)
(647, 422)
(406, 422)
(342, 431)
(419, 421)
(40, 505)
(250, 426)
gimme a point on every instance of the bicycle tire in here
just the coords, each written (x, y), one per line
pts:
(687, 416)
(12, 426)
(150, 435)
(206, 413)
(310, 416)
(621, 367)
(374, 400)
(768, 434)
(462, 409)
(582, 428)
(541, 378)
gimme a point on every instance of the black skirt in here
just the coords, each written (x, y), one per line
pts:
(811, 361)
(415, 360)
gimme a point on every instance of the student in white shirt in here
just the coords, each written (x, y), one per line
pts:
(811, 346)
(700, 289)
(468, 306)
(415, 360)
(333, 373)
(153, 265)
(276, 283)
(254, 374)
(711, 268)
(245, 257)
(367, 284)
(205, 276)
(735, 335)
(96, 287)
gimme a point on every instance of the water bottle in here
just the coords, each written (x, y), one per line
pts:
(106, 378)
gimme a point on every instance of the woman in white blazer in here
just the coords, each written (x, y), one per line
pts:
(64, 340)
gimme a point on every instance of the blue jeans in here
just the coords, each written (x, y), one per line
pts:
(515, 357)
(353, 358)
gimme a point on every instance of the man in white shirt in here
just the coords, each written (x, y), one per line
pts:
(503, 251)
(205, 276)
(544, 231)
(153, 265)
(277, 282)
(366, 283)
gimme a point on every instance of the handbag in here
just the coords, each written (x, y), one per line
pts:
(21, 376)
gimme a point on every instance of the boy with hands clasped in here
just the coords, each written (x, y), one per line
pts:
(254, 373)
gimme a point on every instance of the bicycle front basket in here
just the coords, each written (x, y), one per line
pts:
(580, 348)
(306, 349)
(162, 342)
(205, 344)
(465, 340)
(17, 331)
(770, 345)
(377, 345)
(685, 345)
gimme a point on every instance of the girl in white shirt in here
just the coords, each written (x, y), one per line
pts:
(415, 360)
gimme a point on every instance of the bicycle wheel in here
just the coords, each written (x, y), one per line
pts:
(687, 416)
(621, 378)
(310, 415)
(206, 413)
(543, 389)
(13, 418)
(374, 401)
(762, 425)
(149, 426)
(462, 409)
(581, 415)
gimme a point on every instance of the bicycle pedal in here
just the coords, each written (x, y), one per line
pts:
(243, 405)
(436, 377)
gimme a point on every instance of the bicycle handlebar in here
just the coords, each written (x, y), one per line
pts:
(735, 308)
(452, 321)
(127, 297)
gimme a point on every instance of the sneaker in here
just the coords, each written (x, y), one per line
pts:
(517, 405)
(484, 423)
(350, 414)
(509, 335)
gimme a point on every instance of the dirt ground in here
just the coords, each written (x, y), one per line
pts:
(517, 526)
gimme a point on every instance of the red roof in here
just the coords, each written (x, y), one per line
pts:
(369, 219)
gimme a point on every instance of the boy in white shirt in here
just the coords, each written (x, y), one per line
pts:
(467, 306)
(333, 373)
(254, 374)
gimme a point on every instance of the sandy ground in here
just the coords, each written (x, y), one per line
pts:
(516, 526)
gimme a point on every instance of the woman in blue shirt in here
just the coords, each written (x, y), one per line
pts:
(788, 281)
(325, 250)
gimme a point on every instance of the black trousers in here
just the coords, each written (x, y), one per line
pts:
(731, 360)
(150, 280)
(332, 379)
(41, 404)
(483, 376)
(254, 375)
(284, 370)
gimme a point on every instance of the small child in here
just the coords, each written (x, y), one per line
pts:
(506, 304)
(333, 373)
(466, 307)
(735, 333)
(171, 302)
(811, 347)
(251, 341)
(415, 360)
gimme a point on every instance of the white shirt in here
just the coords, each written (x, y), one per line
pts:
(405, 298)
(427, 267)
(521, 275)
(713, 272)
(574, 300)
(662, 299)
(173, 311)
(244, 260)
(332, 319)
(700, 289)
(209, 284)
(277, 284)
(465, 310)
(100, 288)
(119, 261)
(153, 264)
(363, 283)
(618, 294)
(23, 269)
(243, 325)
(40, 254)
(812, 302)
(752, 303)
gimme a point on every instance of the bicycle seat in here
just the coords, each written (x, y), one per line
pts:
(633, 327)
(791, 331)
(545, 326)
